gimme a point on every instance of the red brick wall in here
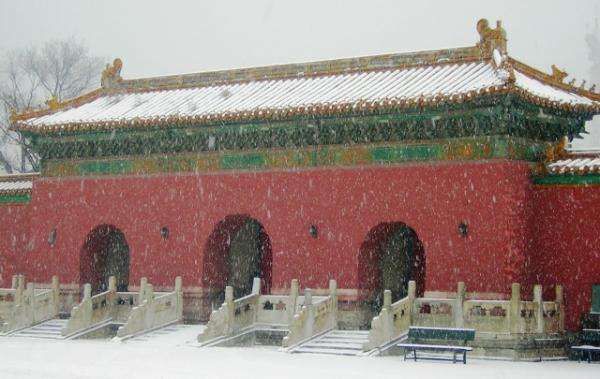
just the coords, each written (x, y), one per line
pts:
(345, 204)
(566, 244)
(13, 240)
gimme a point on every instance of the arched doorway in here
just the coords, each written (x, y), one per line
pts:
(389, 258)
(105, 253)
(237, 251)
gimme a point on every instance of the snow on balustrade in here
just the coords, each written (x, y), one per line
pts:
(305, 316)
(106, 307)
(393, 321)
(233, 315)
(276, 309)
(490, 318)
(154, 310)
(22, 307)
(314, 318)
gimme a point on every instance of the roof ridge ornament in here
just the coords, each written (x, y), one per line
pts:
(558, 75)
(491, 39)
(111, 76)
(53, 103)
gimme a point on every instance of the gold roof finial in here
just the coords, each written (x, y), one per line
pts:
(53, 103)
(558, 75)
(12, 115)
(112, 74)
(490, 39)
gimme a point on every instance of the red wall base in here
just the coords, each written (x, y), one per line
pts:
(566, 247)
(494, 198)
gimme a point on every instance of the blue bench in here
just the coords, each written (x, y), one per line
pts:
(418, 334)
(589, 337)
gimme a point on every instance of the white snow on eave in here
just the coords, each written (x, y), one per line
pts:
(538, 88)
(15, 185)
(346, 88)
(575, 164)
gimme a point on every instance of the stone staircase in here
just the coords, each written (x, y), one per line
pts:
(48, 329)
(172, 335)
(336, 342)
(159, 333)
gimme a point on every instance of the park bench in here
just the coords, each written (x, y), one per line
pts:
(542, 342)
(589, 337)
(418, 334)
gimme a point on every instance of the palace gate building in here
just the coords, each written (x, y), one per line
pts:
(436, 166)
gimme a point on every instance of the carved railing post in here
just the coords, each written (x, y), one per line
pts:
(310, 321)
(412, 293)
(387, 299)
(143, 284)
(15, 281)
(385, 317)
(179, 292)
(230, 310)
(29, 305)
(256, 286)
(538, 304)
(515, 309)
(560, 305)
(55, 295)
(334, 302)
(461, 291)
(294, 290)
(20, 288)
(87, 303)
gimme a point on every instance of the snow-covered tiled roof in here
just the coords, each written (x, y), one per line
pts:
(576, 165)
(319, 88)
(280, 94)
(16, 183)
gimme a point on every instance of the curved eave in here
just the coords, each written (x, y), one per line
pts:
(551, 81)
(318, 110)
(15, 192)
(271, 115)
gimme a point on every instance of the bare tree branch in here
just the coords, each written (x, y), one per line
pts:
(28, 77)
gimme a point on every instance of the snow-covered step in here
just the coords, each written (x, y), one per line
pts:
(337, 342)
(50, 329)
(175, 334)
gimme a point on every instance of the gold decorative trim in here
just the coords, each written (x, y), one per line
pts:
(277, 114)
(111, 76)
(490, 39)
(558, 75)
(19, 177)
(552, 80)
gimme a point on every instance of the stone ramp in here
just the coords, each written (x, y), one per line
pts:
(50, 329)
(171, 335)
(336, 342)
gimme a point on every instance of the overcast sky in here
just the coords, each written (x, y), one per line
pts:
(170, 37)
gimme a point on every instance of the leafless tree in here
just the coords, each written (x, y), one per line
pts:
(31, 76)
(593, 42)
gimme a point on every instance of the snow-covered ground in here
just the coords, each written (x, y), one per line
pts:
(176, 355)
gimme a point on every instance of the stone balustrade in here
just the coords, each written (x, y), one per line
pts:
(107, 306)
(316, 316)
(490, 318)
(304, 316)
(21, 307)
(154, 311)
(233, 315)
(393, 320)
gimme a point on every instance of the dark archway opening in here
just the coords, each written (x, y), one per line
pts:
(237, 251)
(105, 253)
(389, 258)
